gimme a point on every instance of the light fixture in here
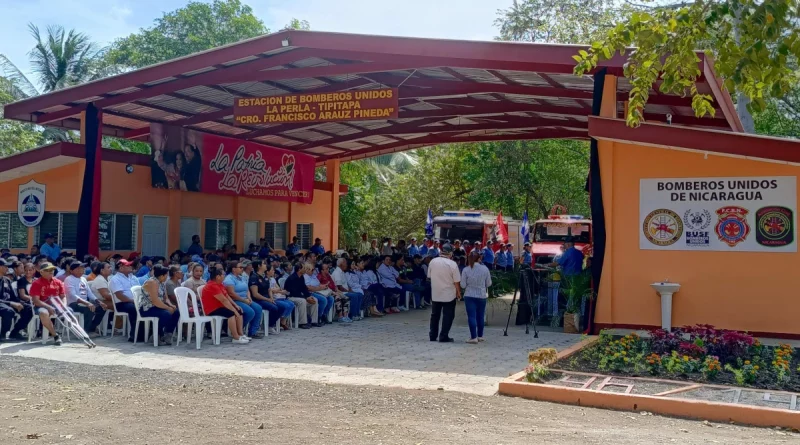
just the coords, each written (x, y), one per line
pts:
(128, 169)
(669, 119)
(285, 42)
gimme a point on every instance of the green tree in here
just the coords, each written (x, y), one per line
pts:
(196, 27)
(15, 136)
(527, 175)
(560, 21)
(755, 44)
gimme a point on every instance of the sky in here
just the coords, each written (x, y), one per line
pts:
(106, 20)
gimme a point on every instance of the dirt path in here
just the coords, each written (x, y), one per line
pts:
(65, 403)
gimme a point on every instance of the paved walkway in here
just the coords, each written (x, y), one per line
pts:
(393, 351)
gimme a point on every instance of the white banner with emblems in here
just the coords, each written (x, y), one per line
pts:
(748, 214)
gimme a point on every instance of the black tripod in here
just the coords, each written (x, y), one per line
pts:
(524, 288)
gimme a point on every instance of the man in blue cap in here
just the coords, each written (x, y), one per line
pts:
(488, 255)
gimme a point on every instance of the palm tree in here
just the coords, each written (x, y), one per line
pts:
(386, 167)
(59, 59)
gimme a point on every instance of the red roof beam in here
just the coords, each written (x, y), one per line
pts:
(440, 139)
(211, 77)
(171, 68)
(423, 126)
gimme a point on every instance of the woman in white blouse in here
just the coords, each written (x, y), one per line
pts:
(475, 280)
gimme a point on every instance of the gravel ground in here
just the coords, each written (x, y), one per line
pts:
(44, 402)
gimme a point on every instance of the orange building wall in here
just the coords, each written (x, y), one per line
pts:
(753, 291)
(132, 194)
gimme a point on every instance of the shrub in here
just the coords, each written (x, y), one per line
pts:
(782, 360)
(680, 364)
(619, 354)
(692, 350)
(711, 367)
(664, 342)
(536, 373)
(746, 375)
(543, 356)
(653, 362)
(725, 344)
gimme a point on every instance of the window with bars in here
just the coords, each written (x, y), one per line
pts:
(117, 231)
(63, 226)
(218, 233)
(13, 234)
(305, 235)
(275, 234)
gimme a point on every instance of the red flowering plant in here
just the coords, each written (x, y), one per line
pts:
(726, 345)
(692, 350)
(664, 342)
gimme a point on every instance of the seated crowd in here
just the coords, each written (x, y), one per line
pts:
(315, 287)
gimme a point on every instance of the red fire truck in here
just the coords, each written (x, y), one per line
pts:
(474, 225)
(549, 235)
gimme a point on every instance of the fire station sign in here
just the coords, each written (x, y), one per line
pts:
(745, 214)
(355, 105)
(30, 203)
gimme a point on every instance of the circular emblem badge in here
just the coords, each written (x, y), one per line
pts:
(774, 226)
(663, 227)
(732, 227)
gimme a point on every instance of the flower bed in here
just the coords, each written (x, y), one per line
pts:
(698, 353)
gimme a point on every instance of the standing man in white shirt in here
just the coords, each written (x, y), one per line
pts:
(445, 291)
(80, 299)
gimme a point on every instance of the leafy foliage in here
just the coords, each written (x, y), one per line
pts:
(196, 27)
(564, 21)
(756, 44)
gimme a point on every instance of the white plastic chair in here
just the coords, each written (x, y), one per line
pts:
(126, 324)
(138, 295)
(216, 326)
(182, 294)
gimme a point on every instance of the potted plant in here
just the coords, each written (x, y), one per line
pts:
(576, 288)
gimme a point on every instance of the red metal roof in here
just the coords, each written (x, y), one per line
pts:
(450, 91)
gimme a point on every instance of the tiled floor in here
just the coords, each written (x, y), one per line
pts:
(393, 351)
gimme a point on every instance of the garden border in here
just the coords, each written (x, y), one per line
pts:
(516, 386)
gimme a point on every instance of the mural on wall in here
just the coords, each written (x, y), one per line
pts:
(745, 214)
(189, 160)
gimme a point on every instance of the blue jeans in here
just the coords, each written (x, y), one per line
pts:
(324, 304)
(166, 321)
(287, 307)
(273, 311)
(476, 308)
(251, 314)
(355, 303)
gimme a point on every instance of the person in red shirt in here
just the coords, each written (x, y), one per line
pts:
(217, 302)
(42, 290)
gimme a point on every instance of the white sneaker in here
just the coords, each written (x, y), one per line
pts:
(241, 341)
(481, 339)
(246, 337)
(273, 331)
(473, 341)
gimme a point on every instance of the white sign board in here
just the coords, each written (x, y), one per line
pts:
(749, 214)
(30, 203)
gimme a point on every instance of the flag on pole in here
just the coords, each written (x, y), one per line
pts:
(429, 224)
(500, 229)
(525, 229)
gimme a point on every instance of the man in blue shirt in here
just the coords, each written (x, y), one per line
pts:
(571, 261)
(423, 251)
(195, 248)
(510, 257)
(488, 255)
(50, 248)
(317, 247)
(434, 251)
(293, 248)
(413, 249)
(147, 264)
(527, 258)
(501, 257)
